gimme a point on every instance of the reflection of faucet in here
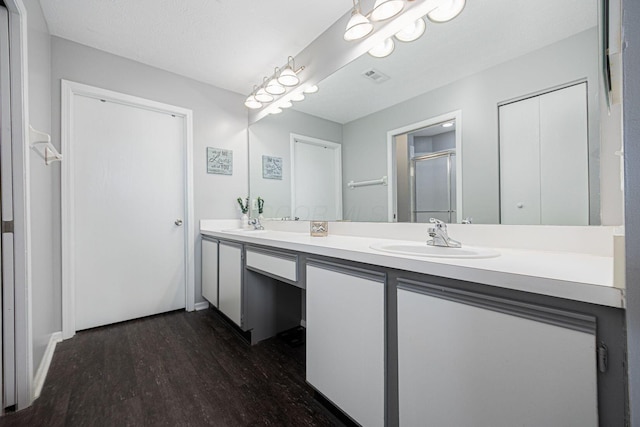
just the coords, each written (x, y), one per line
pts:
(439, 235)
(256, 224)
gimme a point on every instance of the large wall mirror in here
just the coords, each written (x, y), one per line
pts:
(498, 116)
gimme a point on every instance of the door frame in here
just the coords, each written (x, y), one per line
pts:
(337, 159)
(391, 159)
(21, 205)
(69, 91)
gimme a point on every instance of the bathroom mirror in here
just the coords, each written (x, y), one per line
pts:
(478, 72)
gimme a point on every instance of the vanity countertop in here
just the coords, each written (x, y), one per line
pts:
(575, 276)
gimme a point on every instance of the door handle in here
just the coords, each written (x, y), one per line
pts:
(178, 222)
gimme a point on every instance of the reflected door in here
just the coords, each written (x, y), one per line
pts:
(317, 182)
(434, 187)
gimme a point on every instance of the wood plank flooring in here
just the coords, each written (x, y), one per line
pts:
(174, 369)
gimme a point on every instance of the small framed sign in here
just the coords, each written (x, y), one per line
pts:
(219, 161)
(271, 167)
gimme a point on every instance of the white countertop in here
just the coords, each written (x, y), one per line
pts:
(581, 277)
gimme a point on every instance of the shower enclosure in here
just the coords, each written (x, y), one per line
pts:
(433, 186)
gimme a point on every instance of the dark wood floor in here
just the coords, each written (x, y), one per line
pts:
(173, 369)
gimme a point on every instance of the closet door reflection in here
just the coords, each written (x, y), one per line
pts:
(434, 183)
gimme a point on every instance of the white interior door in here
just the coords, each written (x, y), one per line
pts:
(129, 203)
(317, 183)
(7, 320)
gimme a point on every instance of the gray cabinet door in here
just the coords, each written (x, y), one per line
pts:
(465, 365)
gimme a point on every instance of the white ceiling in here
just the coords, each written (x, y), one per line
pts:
(486, 33)
(231, 44)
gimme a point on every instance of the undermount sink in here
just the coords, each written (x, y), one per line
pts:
(424, 250)
(244, 230)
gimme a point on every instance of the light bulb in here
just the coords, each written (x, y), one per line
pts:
(383, 49)
(252, 103)
(385, 9)
(447, 10)
(412, 32)
(357, 27)
(275, 88)
(288, 77)
(263, 96)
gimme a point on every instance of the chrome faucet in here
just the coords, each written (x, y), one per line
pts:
(439, 235)
(256, 224)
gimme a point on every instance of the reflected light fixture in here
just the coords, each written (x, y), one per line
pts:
(385, 9)
(412, 32)
(252, 102)
(288, 76)
(276, 110)
(447, 125)
(297, 97)
(447, 10)
(274, 87)
(286, 104)
(358, 25)
(383, 49)
(311, 89)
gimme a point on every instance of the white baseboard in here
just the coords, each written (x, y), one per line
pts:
(201, 306)
(303, 323)
(41, 373)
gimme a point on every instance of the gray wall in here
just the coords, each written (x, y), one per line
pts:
(271, 137)
(219, 120)
(365, 145)
(45, 285)
(631, 67)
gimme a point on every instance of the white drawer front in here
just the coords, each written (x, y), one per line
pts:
(273, 264)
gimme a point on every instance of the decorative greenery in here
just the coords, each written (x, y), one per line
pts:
(260, 205)
(244, 206)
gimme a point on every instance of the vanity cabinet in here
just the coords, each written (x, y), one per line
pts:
(230, 281)
(468, 359)
(345, 339)
(210, 271)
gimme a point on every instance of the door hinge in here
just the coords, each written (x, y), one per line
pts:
(603, 358)
(7, 226)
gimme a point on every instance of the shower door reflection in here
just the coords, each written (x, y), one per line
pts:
(434, 187)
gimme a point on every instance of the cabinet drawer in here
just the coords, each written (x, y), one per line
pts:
(277, 264)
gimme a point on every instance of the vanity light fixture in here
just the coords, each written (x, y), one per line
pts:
(447, 10)
(252, 102)
(297, 97)
(358, 25)
(385, 9)
(383, 49)
(262, 95)
(412, 32)
(274, 87)
(311, 89)
(289, 76)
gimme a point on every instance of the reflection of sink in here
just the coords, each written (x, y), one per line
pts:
(422, 249)
(244, 230)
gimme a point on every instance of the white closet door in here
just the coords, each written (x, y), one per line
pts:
(129, 189)
(520, 162)
(564, 157)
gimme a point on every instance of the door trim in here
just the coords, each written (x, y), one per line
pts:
(69, 90)
(391, 159)
(337, 158)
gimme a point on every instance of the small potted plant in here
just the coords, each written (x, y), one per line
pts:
(260, 207)
(244, 207)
